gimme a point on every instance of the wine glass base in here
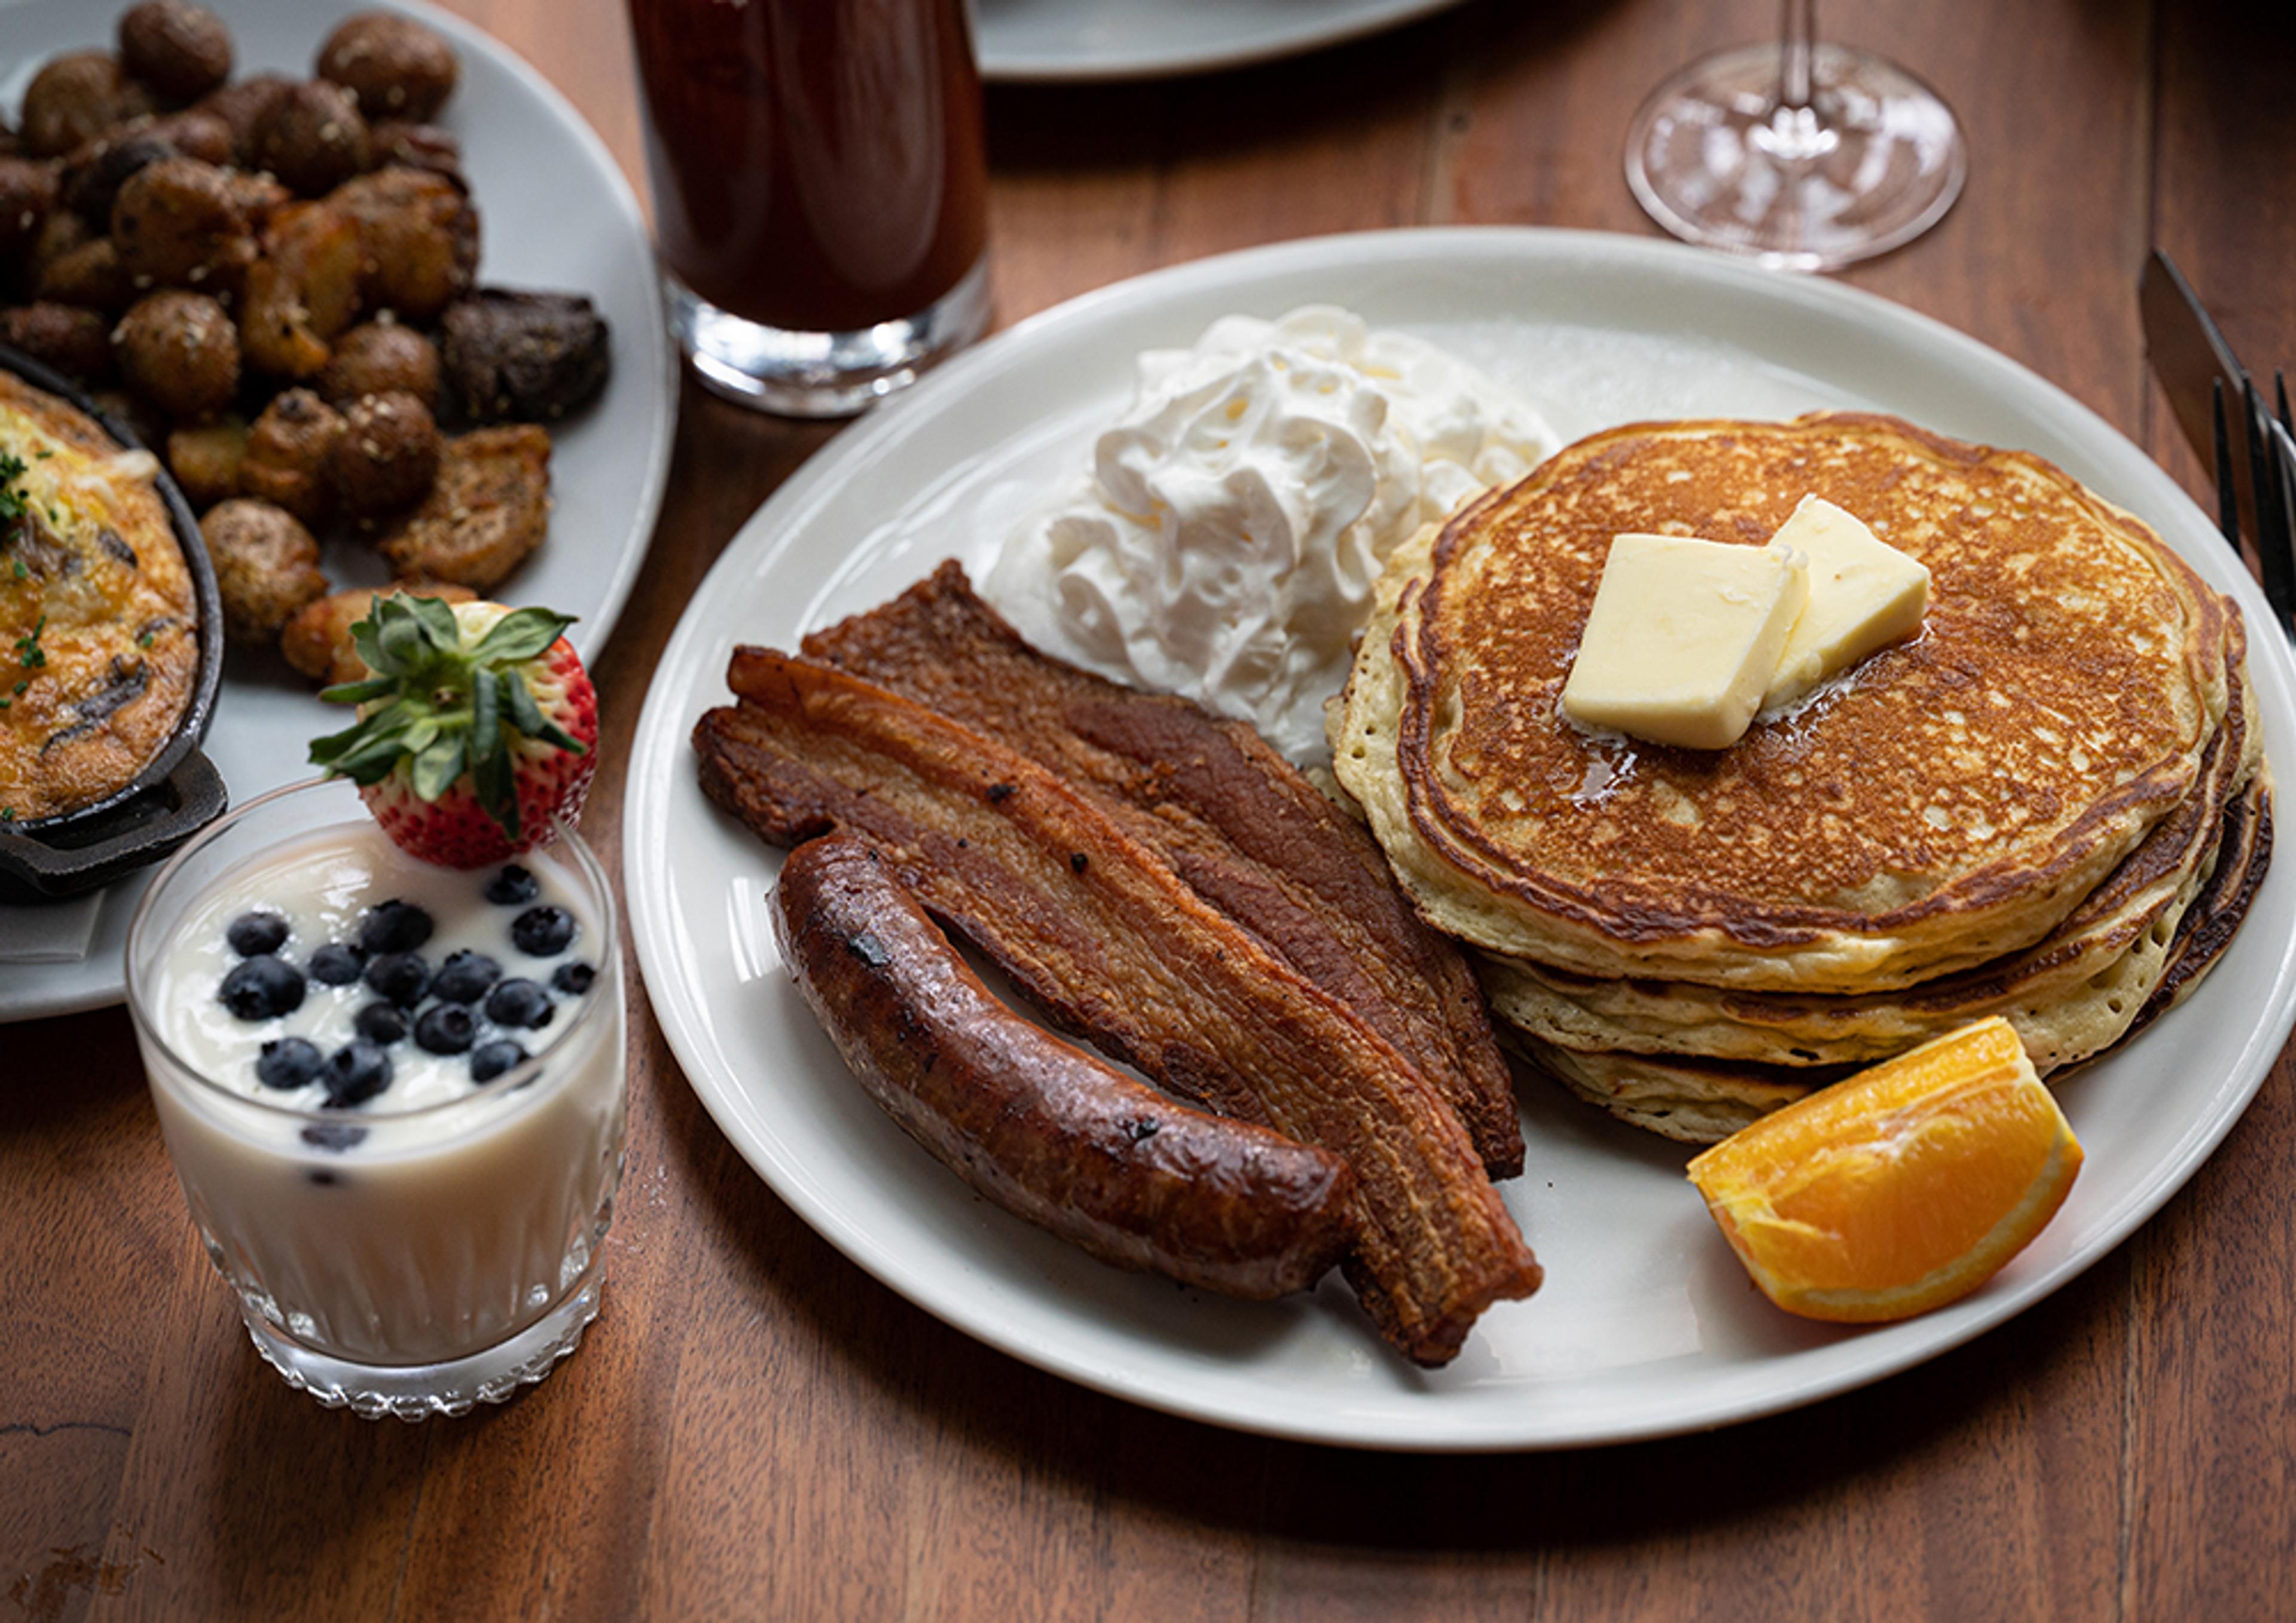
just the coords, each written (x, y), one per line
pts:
(823, 374)
(1873, 161)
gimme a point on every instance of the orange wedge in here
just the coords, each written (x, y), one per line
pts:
(1900, 1189)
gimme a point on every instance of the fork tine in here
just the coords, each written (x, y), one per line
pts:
(2227, 492)
(2272, 509)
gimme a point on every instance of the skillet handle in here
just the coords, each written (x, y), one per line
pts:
(155, 823)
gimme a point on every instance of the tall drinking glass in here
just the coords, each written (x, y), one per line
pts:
(1807, 156)
(424, 1236)
(820, 192)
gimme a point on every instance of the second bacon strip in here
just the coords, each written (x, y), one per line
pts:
(1114, 946)
(1237, 822)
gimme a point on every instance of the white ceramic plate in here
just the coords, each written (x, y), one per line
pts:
(554, 212)
(1056, 40)
(1646, 1324)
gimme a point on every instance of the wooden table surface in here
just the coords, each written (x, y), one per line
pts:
(755, 1428)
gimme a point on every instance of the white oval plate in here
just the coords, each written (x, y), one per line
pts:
(1646, 1324)
(554, 212)
(1052, 41)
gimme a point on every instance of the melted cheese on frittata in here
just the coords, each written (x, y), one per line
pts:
(98, 642)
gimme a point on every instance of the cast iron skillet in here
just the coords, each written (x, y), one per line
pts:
(179, 792)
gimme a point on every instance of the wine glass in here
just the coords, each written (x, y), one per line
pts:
(1806, 156)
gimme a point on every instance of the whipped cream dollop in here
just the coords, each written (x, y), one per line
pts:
(1226, 540)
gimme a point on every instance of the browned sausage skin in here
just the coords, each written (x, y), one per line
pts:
(1045, 1130)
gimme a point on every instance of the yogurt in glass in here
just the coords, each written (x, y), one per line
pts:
(393, 1093)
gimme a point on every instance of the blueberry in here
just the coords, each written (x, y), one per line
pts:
(336, 964)
(490, 1059)
(464, 978)
(574, 979)
(357, 1072)
(333, 1136)
(288, 1062)
(394, 927)
(445, 1028)
(514, 887)
(259, 987)
(381, 1022)
(543, 932)
(260, 931)
(518, 1002)
(401, 977)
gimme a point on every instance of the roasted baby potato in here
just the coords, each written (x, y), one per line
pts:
(312, 137)
(421, 236)
(317, 642)
(396, 68)
(287, 454)
(90, 276)
(489, 508)
(205, 460)
(381, 357)
(180, 50)
(524, 358)
(77, 97)
(94, 175)
(181, 223)
(241, 107)
(388, 457)
(76, 342)
(302, 291)
(266, 568)
(179, 351)
(28, 192)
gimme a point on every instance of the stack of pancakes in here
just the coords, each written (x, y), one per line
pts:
(2049, 804)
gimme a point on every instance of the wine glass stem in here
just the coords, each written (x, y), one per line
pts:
(1797, 37)
(1795, 133)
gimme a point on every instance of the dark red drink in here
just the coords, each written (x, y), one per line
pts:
(817, 165)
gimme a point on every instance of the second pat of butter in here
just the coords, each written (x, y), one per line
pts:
(1863, 592)
(1684, 638)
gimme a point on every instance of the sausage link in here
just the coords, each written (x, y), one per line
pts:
(1044, 1129)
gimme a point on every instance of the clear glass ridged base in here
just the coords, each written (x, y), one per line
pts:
(420, 1391)
(823, 374)
(1875, 159)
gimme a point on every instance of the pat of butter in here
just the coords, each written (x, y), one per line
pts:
(1683, 637)
(1862, 594)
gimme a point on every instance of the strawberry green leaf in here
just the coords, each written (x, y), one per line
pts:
(485, 714)
(520, 635)
(366, 640)
(495, 781)
(436, 619)
(360, 692)
(525, 715)
(436, 768)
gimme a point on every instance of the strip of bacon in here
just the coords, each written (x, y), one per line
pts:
(1234, 818)
(1114, 946)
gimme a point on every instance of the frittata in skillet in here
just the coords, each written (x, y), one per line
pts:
(98, 631)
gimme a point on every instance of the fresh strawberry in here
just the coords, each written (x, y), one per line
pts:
(477, 730)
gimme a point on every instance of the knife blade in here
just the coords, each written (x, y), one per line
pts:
(2269, 517)
(2192, 360)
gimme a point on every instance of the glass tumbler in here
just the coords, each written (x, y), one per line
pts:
(410, 1261)
(820, 192)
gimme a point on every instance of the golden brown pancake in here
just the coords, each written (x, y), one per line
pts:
(1701, 1100)
(2070, 995)
(1951, 799)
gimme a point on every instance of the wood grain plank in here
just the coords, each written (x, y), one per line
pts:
(2212, 1490)
(757, 1427)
